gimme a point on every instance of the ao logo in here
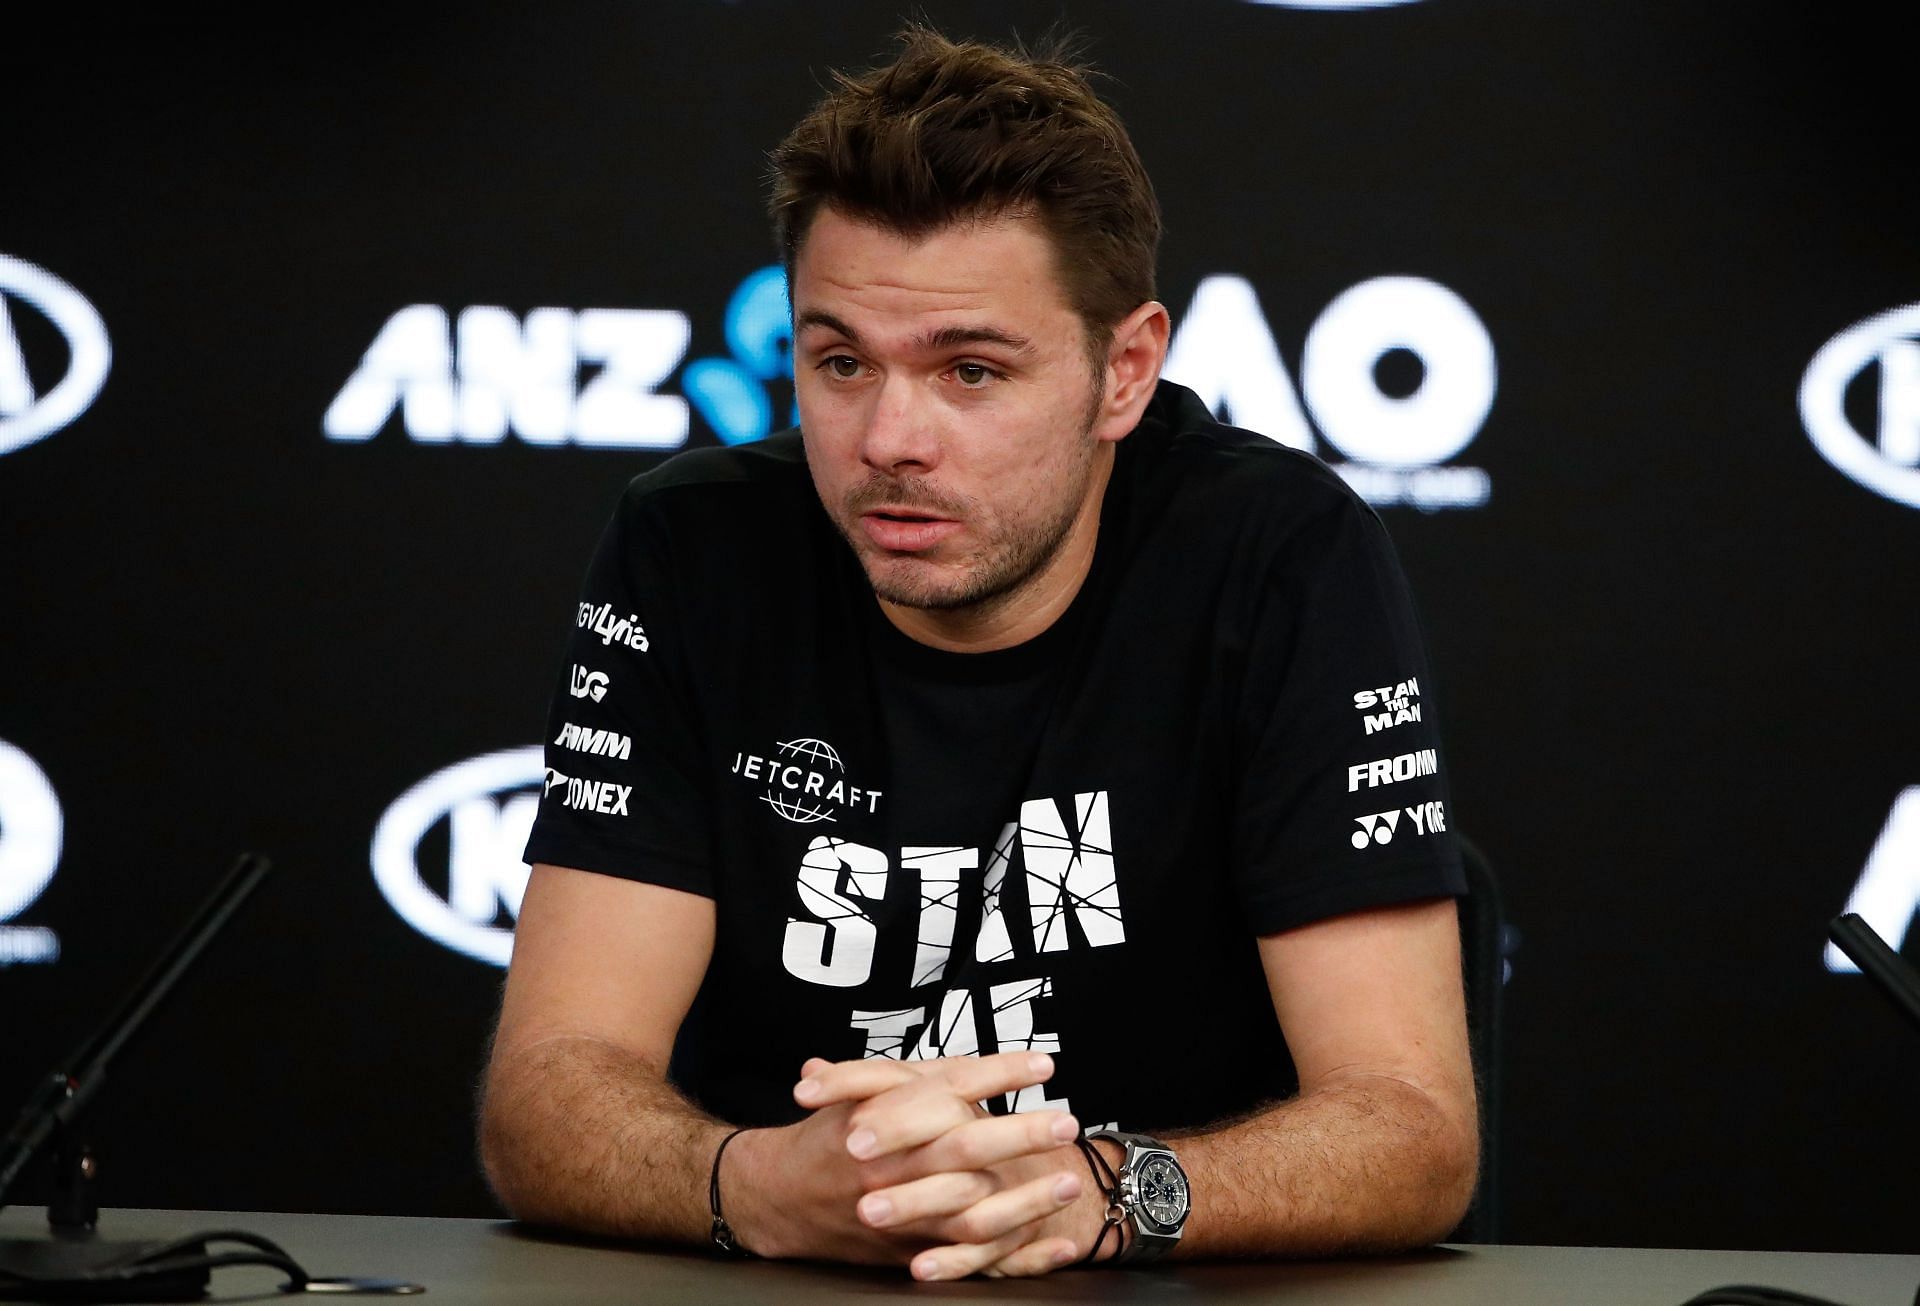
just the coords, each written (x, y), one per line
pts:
(30, 840)
(1224, 350)
(487, 804)
(1890, 463)
(476, 377)
(25, 416)
(1888, 893)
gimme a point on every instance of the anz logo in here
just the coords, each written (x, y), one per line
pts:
(593, 378)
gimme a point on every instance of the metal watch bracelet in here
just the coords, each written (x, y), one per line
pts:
(1151, 1190)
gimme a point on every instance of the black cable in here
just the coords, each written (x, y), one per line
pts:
(1746, 1294)
(180, 1255)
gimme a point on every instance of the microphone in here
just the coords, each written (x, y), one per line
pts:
(64, 1093)
(1871, 954)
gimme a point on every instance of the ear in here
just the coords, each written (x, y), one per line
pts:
(1133, 369)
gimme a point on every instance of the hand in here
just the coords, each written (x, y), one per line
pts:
(1004, 1195)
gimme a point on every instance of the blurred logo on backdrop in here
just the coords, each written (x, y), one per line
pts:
(446, 854)
(34, 304)
(1397, 374)
(1888, 893)
(30, 840)
(1860, 402)
(592, 378)
(1330, 4)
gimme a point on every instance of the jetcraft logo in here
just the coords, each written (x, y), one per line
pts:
(1398, 374)
(27, 415)
(589, 377)
(30, 840)
(1888, 893)
(805, 781)
(1840, 388)
(463, 828)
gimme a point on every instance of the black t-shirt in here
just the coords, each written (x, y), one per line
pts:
(1071, 845)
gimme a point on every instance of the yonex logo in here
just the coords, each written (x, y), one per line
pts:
(485, 806)
(1377, 828)
(805, 781)
(27, 415)
(1887, 460)
(1422, 819)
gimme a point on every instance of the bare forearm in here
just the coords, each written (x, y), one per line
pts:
(580, 1133)
(1369, 1164)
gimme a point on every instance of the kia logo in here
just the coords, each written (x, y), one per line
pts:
(29, 831)
(487, 804)
(1888, 461)
(25, 416)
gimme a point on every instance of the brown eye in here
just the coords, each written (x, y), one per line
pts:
(972, 375)
(844, 366)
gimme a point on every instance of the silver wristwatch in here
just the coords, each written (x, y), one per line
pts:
(1150, 1193)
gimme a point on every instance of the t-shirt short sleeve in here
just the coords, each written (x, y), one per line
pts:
(1342, 795)
(621, 794)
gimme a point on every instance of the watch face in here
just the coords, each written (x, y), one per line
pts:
(1162, 1189)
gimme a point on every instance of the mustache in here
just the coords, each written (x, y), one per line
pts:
(911, 492)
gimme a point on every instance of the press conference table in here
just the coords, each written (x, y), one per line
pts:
(488, 1261)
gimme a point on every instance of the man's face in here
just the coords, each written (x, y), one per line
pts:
(947, 402)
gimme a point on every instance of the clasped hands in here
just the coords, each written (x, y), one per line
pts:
(898, 1162)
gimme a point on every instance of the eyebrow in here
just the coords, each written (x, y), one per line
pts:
(932, 342)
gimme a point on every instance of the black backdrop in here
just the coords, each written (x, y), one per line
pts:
(1673, 645)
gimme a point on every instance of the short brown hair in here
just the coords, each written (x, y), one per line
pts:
(955, 130)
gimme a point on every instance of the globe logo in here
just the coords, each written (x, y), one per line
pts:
(804, 806)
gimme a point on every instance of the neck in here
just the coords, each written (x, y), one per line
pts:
(1031, 607)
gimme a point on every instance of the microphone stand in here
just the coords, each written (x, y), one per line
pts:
(52, 1113)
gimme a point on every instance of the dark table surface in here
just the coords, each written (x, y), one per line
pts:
(486, 1261)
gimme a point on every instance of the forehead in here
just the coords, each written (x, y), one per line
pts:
(998, 268)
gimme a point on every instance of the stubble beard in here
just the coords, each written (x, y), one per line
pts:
(998, 568)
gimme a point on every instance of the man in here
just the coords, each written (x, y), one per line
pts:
(1011, 752)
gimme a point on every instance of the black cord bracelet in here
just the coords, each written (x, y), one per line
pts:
(722, 1231)
(1109, 1185)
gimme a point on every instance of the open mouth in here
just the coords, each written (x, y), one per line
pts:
(900, 530)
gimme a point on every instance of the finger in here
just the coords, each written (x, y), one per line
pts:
(974, 1145)
(962, 1259)
(930, 1198)
(904, 1118)
(996, 1228)
(973, 1078)
(1004, 1213)
(1042, 1256)
(823, 1083)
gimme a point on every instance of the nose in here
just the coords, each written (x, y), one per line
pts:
(900, 438)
